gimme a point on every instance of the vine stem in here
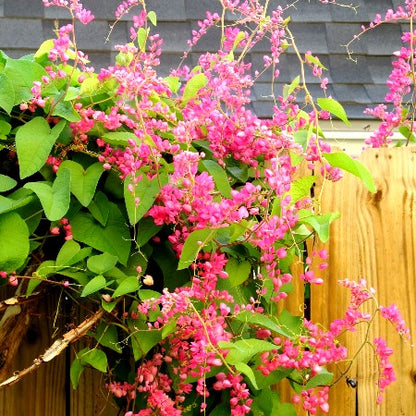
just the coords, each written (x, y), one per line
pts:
(214, 348)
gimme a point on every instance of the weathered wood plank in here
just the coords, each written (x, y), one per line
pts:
(41, 393)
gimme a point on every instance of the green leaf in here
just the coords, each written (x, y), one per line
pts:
(301, 137)
(34, 142)
(238, 272)
(7, 94)
(114, 238)
(54, 199)
(193, 86)
(143, 339)
(219, 175)
(45, 269)
(22, 73)
(173, 83)
(142, 34)
(128, 285)
(263, 321)
(14, 242)
(89, 86)
(67, 253)
(321, 223)
(71, 254)
(100, 208)
(324, 378)
(101, 263)
(95, 358)
(44, 48)
(267, 403)
(301, 188)
(108, 306)
(146, 294)
(243, 350)
(65, 110)
(5, 127)
(143, 196)
(146, 229)
(286, 409)
(94, 285)
(75, 372)
(264, 381)
(407, 134)
(240, 36)
(248, 372)
(334, 107)
(152, 17)
(72, 93)
(6, 183)
(291, 323)
(118, 138)
(168, 328)
(315, 61)
(194, 243)
(83, 182)
(232, 233)
(237, 169)
(107, 336)
(343, 161)
(288, 89)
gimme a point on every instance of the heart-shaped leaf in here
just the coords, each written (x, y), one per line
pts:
(193, 245)
(54, 199)
(114, 238)
(14, 241)
(140, 197)
(7, 94)
(83, 182)
(94, 285)
(34, 142)
(6, 183)
(101, 263)
(128, 285)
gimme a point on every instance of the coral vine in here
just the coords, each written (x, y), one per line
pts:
(174, 184)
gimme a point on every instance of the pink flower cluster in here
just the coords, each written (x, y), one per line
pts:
(386, 372)
(400, 81)
(314, 399)
(74, 6)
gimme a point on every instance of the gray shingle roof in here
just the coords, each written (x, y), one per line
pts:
(323, 29)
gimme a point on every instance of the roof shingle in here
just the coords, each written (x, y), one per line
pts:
(323, 29)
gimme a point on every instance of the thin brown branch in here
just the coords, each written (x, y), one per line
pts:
(19, 300)
(56, 348)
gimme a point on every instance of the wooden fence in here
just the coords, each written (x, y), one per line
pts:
(374, 239)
